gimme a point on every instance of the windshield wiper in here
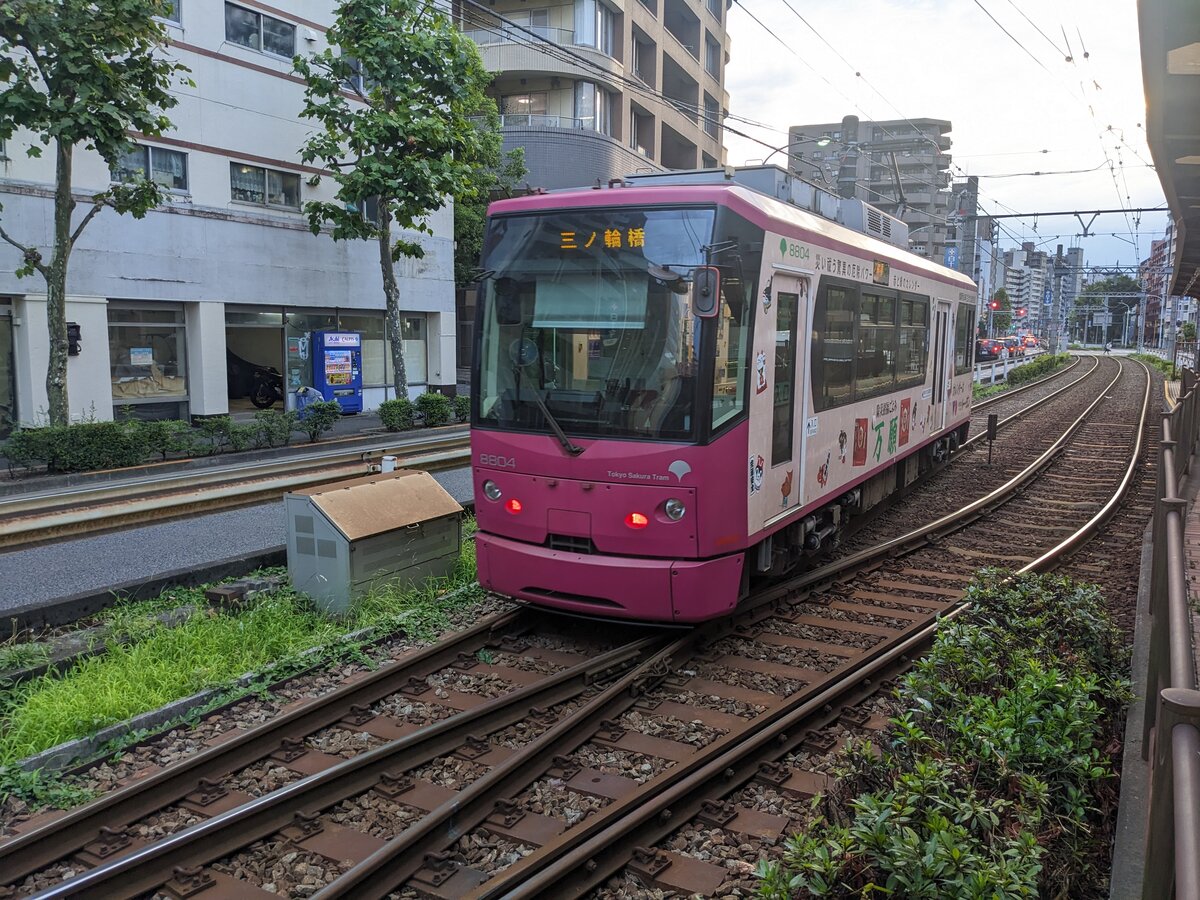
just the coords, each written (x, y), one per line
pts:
(570, 447)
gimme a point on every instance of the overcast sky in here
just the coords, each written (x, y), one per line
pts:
(949, 60)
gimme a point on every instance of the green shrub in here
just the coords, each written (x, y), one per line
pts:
(435, 408)
(1043, 365)
(28, 447)
(1155, 362)
(166, 436)
(215, 433)
(244, 436)
(319, 417)
(462, 407)
(81, 447)
(398, 414)
(275, 427)
(996, 777)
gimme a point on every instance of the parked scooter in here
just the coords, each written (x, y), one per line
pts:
(268, 387)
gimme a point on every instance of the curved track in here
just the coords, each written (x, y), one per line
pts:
(635, 734)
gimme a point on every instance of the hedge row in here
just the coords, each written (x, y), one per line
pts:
(88, 446)
(997, 776)
(435, 409)
(1043, 365)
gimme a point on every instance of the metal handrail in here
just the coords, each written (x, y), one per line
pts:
(1171, 729)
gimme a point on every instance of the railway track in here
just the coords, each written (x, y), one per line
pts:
(155, 494)
(632, 740)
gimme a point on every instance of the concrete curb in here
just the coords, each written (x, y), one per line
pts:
(1128, 863)
(64, 610)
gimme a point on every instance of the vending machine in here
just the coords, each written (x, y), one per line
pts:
(337, 368)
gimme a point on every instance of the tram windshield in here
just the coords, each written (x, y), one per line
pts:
(586, 323)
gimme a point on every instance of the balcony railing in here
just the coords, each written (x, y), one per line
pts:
(506, 34)
(538, 120)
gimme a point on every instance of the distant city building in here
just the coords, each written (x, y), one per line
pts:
(171, 309)
(1154, 274)
(1027, 277)
(855, 159)
(637, 86)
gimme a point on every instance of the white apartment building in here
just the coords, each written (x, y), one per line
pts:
(228, 270)
(600, 89)
(1027, 277)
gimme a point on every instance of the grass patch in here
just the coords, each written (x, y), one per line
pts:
(997, 776)
(22, 655)
(210, 649)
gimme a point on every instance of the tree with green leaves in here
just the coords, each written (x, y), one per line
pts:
(393, 95)
(80, 72)
(1002, 314)
(497, 175)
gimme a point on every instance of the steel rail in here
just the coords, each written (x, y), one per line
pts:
(400, 858)
(141, 870)
(1058, 553)
(981, 435)
(153, 477)
(196, 491)
(60, 837)
(614, 832)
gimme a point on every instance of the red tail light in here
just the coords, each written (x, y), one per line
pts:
(513, 506)
(636, 520)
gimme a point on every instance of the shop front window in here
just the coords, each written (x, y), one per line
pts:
(376, 355)
(299, 324)
(147, 354)
(412, 332)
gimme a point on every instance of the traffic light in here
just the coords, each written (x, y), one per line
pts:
(995, 304)
(1021, 311)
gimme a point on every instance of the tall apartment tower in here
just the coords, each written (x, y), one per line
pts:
(855, 159)
(1027, 278)
(227, 270)
(597, 90)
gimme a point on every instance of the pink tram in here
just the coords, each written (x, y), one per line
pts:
(683, 382)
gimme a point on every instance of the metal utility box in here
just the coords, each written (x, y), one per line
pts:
(348, 537)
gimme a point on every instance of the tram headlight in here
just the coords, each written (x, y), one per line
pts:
(491, 490)
(674, 509)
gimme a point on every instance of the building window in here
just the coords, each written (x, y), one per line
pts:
(157, 164)
(412, 336)
(531, 104)
(594, 25)
(593, 107)
(146, 351)
(259, 32)
(712, 57)
(173, 11)
(264, 187)
(712, 116)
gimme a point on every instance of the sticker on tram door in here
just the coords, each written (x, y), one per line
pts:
(860, 442)
(905, 419)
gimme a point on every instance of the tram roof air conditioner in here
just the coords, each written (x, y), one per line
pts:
(873, 221)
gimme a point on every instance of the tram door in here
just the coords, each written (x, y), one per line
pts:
(941, 366)
(782, 380)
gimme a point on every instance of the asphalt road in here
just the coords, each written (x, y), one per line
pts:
(45, 573)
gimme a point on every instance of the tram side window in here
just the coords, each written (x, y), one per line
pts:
(729, 372)
(964, 331)
(833, 347)
(914, 341)
(876, 364)
(785, 378)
